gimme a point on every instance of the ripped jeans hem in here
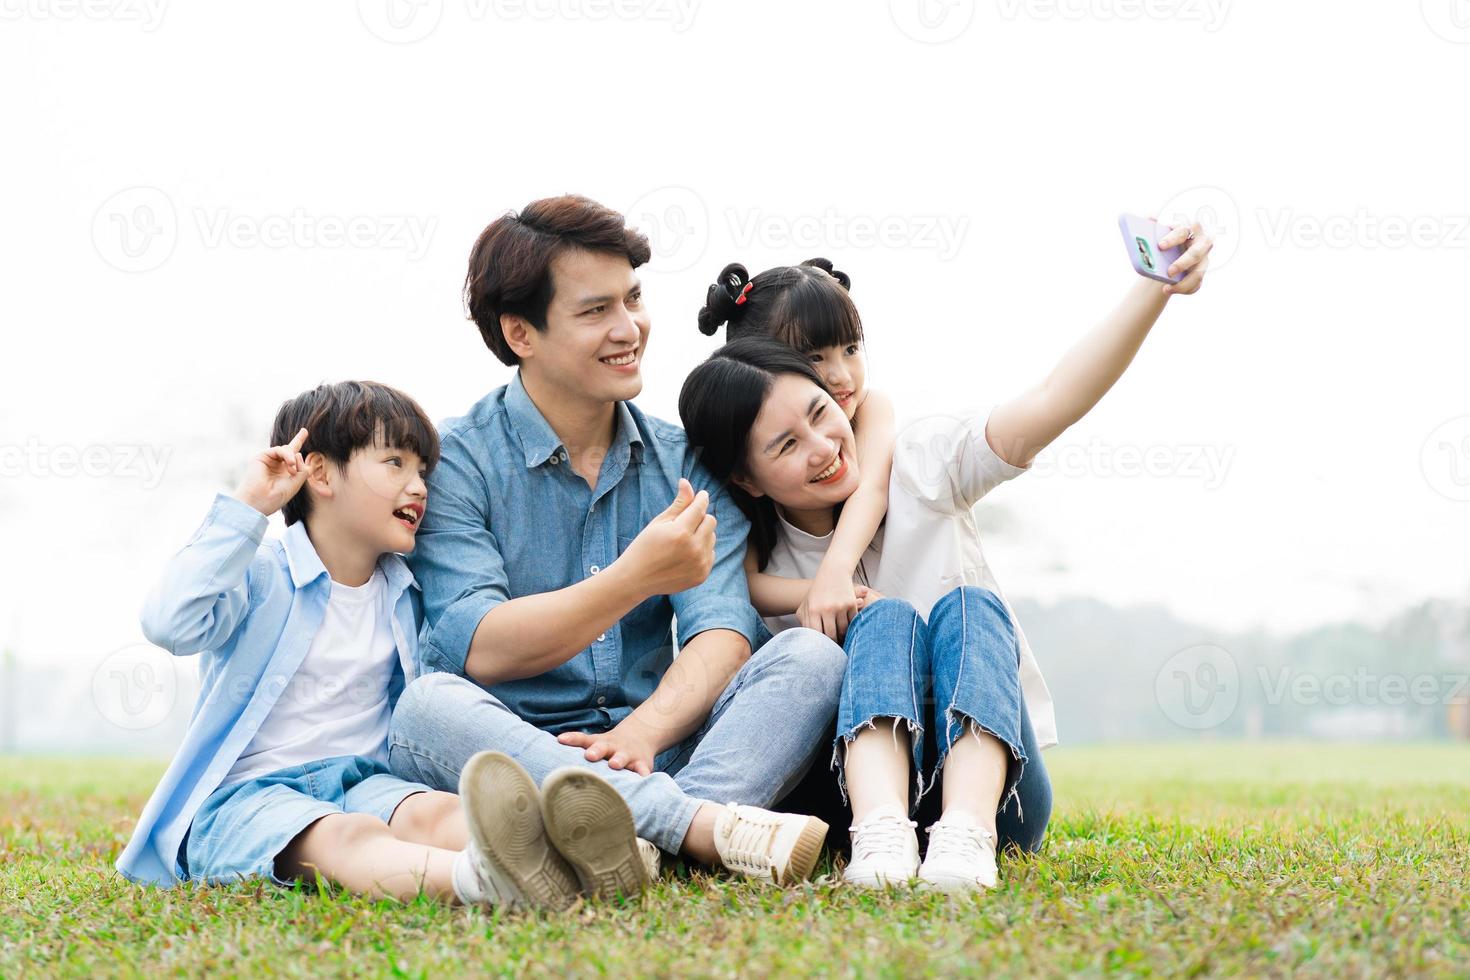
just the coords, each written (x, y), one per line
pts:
(969, 725)
(916, 736)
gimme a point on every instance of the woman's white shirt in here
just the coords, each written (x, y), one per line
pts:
(929, 543)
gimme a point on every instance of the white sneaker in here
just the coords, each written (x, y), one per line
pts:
(961, 858)
(885, 850)
(591, 825)
(776, 848)
(510, 861)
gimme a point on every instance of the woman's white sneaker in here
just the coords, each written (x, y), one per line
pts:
(885, 850)
(961, 857)
(776, 848)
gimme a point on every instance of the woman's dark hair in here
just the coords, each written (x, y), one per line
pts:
(350, 415)
(805, 306)
(510, 265)
(719, 404)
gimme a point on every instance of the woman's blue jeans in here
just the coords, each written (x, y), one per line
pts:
(940, 678)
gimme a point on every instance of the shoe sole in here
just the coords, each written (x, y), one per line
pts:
(804, 854)
(592, 827)
(504, 816)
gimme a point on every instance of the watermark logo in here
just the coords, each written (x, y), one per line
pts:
(833, 231)
(677, 224)
(1215, 209)
(34, 458)
(1199, 687)
(932, 21)
(135, 687)
(400, 21)
(1449, 19)
(136, 229)
(1207, 464)
(1445, 459)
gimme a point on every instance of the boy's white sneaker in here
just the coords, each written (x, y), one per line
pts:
(775, 848)
(510, 861)
(885, 849)
(961, 857)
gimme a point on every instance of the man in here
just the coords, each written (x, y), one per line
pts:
(553, 563)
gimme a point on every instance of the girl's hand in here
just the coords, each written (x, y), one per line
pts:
(829, 606)
(273, 477)
(1195, 259)
(866, 597)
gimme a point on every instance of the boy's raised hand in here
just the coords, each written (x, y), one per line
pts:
(273, 477)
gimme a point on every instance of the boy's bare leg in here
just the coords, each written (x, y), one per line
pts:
(434, 818)
(360, 853)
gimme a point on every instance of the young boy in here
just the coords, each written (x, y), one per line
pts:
(308, 642)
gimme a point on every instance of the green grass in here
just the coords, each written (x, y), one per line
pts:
(1213, 859)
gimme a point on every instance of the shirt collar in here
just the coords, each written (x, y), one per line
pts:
(306, 565)
(539, 440)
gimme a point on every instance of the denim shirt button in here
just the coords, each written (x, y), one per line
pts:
(595, 569)
(601, 636)
(602, 700)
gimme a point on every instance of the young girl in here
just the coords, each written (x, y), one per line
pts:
(794, 304)
(935, 652)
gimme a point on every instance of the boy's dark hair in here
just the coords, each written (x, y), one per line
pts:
(350, 415)
(804, 306)
(510, 265)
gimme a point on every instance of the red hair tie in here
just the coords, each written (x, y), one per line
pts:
(740, 300)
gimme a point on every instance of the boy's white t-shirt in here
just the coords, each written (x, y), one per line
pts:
(337, 701)
(929, 543)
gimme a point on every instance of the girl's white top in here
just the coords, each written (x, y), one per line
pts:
(929, 543)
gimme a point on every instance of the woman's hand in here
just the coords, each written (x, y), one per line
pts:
(273, 477)
(830, 605)
(1195, 259)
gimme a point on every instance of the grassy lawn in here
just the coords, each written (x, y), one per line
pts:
(1202, 859)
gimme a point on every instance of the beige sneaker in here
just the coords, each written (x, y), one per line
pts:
(652, 857)
(507, 836)
(592, 827)
(777, 848)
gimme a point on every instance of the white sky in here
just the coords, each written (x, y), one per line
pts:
(993, 164)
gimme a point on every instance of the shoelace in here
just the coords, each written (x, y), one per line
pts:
(748, 848)
(970, 842)
(886, 835)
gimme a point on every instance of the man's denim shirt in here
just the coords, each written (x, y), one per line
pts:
(508, 516)
(253, 609)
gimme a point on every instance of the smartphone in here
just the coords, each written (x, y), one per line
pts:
(1141, 236)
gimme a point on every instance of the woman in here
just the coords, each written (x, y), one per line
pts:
(934, 651)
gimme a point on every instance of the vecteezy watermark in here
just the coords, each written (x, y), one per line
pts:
(833, 231)
(1360, 688)
(1363, 229)
(1450, 19)
(138, 229)
(676, 221)
(1208, 464)
(1199, 687)
(46, 460)
(1445, 459)
(407, 21)
(147, 14)
(1210, 14)
(932, 21)
(1215, 209)
(135, 687)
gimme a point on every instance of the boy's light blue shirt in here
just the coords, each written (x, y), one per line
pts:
(253, 608)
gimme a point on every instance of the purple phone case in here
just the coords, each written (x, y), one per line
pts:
(1134, 228)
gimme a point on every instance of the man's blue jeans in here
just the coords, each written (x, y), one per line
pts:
(763, 733)
(940, 678)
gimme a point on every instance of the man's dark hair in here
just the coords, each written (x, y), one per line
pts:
(350, 415)
(510, 265)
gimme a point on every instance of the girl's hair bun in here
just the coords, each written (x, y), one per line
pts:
(826, 266)
(720, 302)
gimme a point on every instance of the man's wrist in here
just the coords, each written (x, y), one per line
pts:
(250, 500)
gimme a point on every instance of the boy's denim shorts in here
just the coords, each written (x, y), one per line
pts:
(243, 827)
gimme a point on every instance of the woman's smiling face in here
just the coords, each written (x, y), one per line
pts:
(800, 452)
